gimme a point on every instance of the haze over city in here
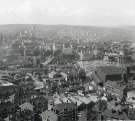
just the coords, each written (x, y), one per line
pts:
(68, 12)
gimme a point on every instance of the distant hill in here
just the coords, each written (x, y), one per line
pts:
(67, 32)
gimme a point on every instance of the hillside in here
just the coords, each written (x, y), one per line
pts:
(67, 32)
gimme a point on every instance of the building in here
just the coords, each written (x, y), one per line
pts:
(112, 73)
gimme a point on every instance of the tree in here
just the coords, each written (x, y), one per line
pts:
(37, 117)
(73, 74)
(57, 53)
(36, 51)
(92, 111)
(82, 75)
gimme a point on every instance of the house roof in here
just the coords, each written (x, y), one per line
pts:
(60, 107)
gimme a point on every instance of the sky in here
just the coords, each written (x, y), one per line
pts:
(68, 12)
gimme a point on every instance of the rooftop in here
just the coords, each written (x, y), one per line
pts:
(112, 70)
(103, 66)
(5, 83)
(60, 107)
(93, 65)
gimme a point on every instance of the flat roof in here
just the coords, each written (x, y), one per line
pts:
(94, 65)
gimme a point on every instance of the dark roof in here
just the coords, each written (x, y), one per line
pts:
(62, 106)
(112, 70)
(109, 114)
(114, 88)
(39, 100)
